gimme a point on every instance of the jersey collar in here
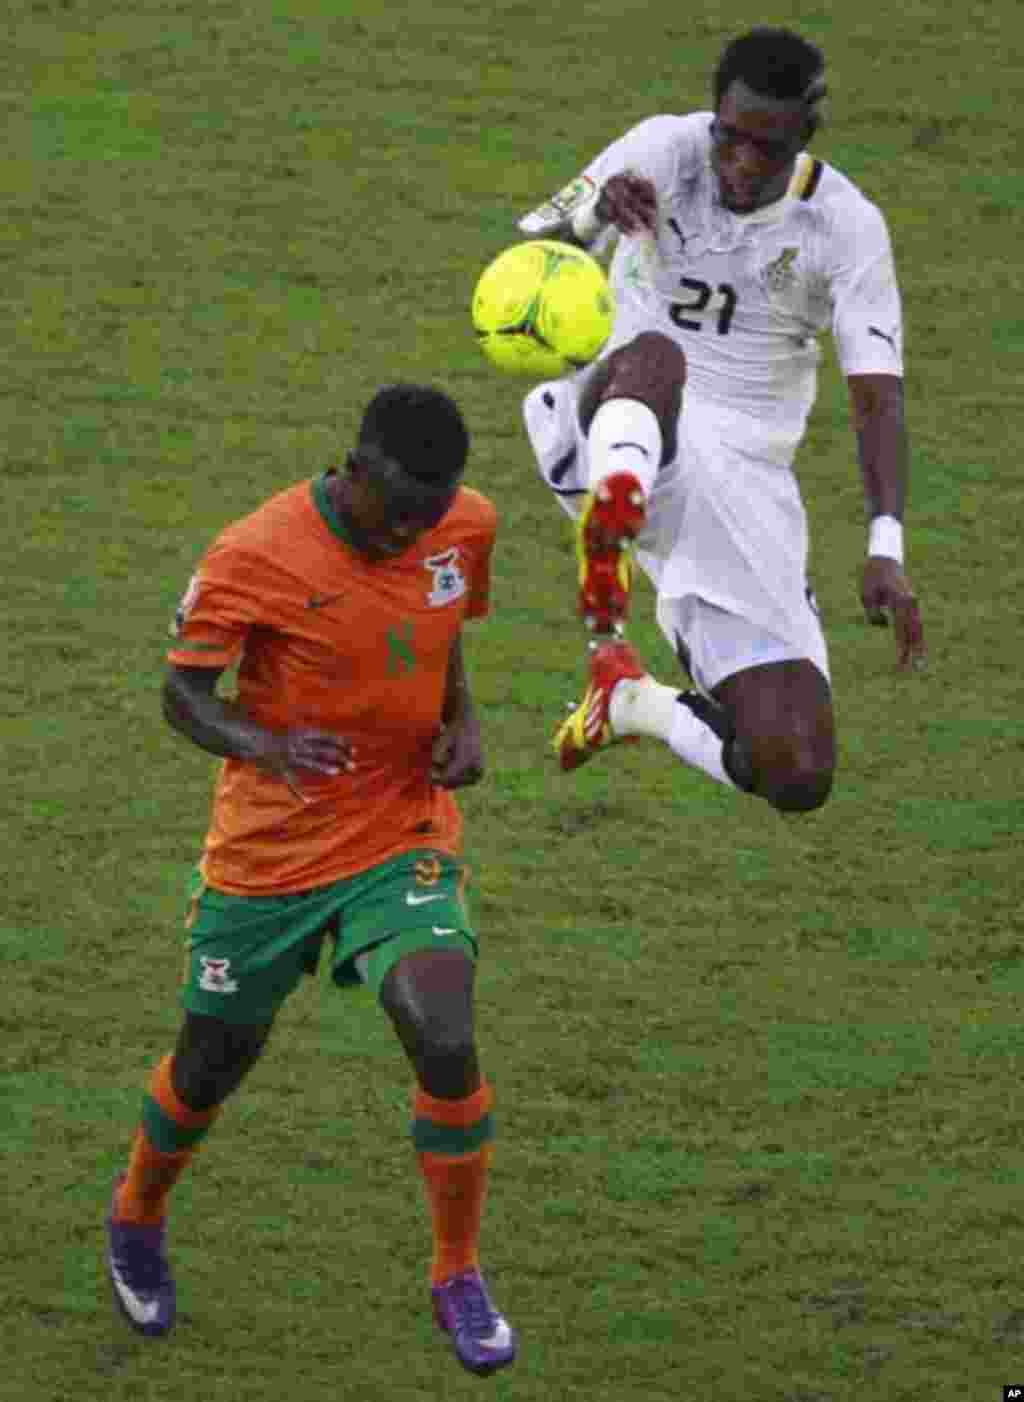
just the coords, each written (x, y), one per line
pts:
(322, 501)
(799, 183)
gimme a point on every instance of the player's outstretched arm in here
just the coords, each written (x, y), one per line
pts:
(626, 201)
(221, 727)
(877, 409)
(457, 758)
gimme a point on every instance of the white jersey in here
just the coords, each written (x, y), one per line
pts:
(747, 295)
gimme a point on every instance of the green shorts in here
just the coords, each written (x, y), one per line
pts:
(245, 954)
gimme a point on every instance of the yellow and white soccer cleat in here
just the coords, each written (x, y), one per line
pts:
(589, 728)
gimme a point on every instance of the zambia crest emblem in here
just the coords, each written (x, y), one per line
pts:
(216, 976)
(780, 274)
(447, 582)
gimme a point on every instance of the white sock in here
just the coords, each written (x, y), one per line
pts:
(647, 707)
(643, 707)
(624, 437)
(697, 744)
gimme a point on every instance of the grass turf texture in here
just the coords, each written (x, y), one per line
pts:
(758, 1079)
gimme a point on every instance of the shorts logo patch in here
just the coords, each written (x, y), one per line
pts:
(447, 582)
(428, 871)
(216, 977)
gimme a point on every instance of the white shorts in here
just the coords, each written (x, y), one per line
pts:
(725, 544)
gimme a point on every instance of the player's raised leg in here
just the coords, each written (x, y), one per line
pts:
(589, 728)
(184, 1097)
(428, 995)
(781, 715)
(768, 729)
(629, 412)
(623, 702)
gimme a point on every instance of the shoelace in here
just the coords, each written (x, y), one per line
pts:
(477, 1313)
(145, 1270)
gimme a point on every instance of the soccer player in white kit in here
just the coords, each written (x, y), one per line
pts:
(736, 249)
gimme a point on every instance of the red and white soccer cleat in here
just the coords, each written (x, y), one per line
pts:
(612, 517)
(589, 729)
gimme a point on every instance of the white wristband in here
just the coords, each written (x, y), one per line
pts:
(585, 223)
(885, 537)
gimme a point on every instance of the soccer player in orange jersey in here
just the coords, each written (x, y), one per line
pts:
(341, 601)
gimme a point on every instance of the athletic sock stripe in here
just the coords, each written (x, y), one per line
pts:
(456, 1141)
(161, 1090)
(453, 1112)
(166, 1134)
(709, 712)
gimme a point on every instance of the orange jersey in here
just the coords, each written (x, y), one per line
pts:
(327, 639)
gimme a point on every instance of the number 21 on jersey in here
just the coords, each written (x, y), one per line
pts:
(706, 306)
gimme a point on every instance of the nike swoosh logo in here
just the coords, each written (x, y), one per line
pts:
(445, 930)
(320, 601)
(412, 899)
(874, 331)
(139, 1310)
(501, 1338)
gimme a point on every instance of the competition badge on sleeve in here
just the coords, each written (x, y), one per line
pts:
(551, 216)
(188, 603)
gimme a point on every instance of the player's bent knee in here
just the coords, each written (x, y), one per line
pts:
(212, 1057)
(650, 357)
(448, 1042)
(429, 997)
(438, 1030)
(650, 368)
(801, 789)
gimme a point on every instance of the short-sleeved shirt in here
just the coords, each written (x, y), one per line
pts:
(747, 295)
(326, 639)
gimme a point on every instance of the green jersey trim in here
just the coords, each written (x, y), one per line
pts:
(431, 1138)
(323, 504)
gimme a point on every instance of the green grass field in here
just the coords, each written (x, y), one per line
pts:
(761, 1125)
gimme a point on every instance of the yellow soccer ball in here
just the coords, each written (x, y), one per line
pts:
(542, 308)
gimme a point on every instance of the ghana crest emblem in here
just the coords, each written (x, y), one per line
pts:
(779, 275)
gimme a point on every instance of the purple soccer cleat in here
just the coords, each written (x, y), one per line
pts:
(481, 1337)
(139, 1274)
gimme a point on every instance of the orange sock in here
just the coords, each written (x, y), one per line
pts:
(161, 1151)
(453, 1138)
